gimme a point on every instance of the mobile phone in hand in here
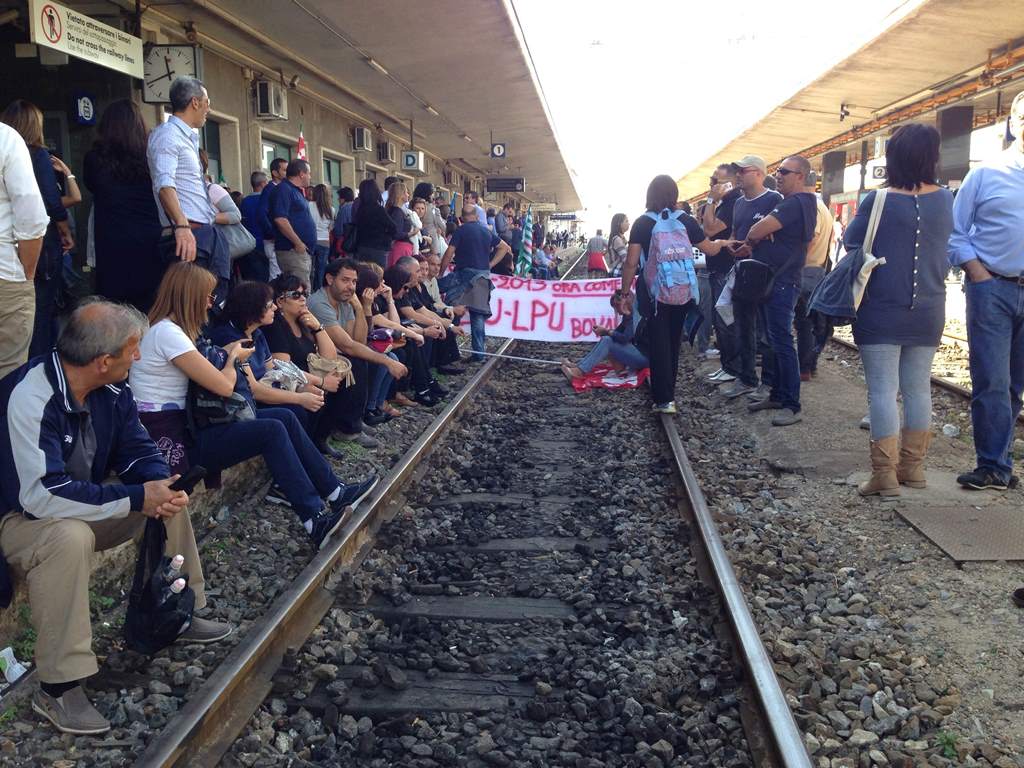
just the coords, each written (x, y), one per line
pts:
(189, 480)
(247, 343)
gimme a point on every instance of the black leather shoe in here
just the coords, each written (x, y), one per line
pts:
(427, 398)
(326, 450)
(375, 417)
(450, 370)
(437, 389)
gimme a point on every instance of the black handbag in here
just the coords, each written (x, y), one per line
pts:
(350, 238)
(204, 408)
(754, 281)
(156, 616)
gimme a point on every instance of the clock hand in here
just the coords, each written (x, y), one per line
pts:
(157, 79)
(167, 63)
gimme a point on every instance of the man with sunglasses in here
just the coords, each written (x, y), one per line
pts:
(781, 238)
(717, 218)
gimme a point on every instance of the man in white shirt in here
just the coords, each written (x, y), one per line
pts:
(23, 222)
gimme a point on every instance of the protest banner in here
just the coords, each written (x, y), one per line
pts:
(550, 310)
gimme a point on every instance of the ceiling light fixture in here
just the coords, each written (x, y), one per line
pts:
(431, 110)
(466, 137)
(376, 65)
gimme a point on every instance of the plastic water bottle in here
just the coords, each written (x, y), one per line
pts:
(173, 569)
(12, 668)
(173, 589)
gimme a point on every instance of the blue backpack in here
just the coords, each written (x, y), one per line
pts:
(668, 269)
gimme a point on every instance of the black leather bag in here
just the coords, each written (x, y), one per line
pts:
(155, 618)
(754, 281)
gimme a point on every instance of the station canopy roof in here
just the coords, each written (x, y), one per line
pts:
(390, 61)
(934, 45)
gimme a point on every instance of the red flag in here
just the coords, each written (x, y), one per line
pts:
(300, 149)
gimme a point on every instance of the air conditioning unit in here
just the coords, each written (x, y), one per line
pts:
(414, 163)
(271, 100)
(362, 139)
(387, 152)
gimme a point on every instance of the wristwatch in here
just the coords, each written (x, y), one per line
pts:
(321, 328)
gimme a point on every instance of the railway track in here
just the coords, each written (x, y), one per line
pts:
(214, 716)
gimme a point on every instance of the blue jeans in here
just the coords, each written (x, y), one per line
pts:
(778, 315)
(892, 368)
(477, 332)
(995, 334)
(294, 462)
(321, 255)
(380, 384)
(627, 354)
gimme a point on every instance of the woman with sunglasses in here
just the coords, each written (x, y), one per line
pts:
(169, 360)
(259, 313)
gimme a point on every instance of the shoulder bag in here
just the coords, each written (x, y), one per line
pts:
(840, 292)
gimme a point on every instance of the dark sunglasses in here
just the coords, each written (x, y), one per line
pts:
(299, 294)
(784, 172)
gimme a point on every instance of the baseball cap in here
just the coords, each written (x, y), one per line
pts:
(753, 161)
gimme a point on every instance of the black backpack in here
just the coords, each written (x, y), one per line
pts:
(154, 619)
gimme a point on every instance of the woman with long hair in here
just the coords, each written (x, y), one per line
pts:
(126, 225)
(401, 243)
(665, 321)
(617, 234)
(261, 313)
(27, 119)
(374, 228)
(900, 319)
(169, 360)
(323, 216)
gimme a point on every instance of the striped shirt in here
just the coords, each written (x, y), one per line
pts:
(22, 213)
(173, 155)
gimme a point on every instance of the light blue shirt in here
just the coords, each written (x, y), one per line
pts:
(173, 156)
(988, 216)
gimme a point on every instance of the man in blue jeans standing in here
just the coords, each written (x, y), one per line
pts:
(475, 250)
(988, 243)
(783, 236)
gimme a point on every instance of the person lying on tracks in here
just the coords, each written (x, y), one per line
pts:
(617, 344)
(71, 423)
(169, 360)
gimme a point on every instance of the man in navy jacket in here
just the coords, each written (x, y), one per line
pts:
(70, 423)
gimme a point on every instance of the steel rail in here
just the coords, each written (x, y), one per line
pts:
(938, 381)
(787, 740)
(211, 719)
(583, 252)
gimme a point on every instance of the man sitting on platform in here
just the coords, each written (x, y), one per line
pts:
(71, 423)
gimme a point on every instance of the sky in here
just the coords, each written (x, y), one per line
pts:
(657, 86)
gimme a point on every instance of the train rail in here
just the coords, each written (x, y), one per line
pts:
(216, 714)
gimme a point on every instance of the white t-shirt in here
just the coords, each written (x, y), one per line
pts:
(323, 225)
(157, 383)
(417, 224)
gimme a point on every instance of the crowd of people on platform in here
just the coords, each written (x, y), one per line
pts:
(276, 325)
(762, 251)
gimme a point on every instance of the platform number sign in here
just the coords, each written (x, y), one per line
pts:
(878, 172)
(498, 150)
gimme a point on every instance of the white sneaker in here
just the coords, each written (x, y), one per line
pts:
(725, 378)
(715, 376)
(712, 354)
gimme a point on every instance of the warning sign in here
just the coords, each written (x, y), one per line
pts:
(81, 36)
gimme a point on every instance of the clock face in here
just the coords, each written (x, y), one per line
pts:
(164, 63)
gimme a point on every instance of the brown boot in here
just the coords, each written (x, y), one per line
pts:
(883, 480)
(913, 449)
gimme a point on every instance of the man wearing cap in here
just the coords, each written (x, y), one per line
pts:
(754, 204)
